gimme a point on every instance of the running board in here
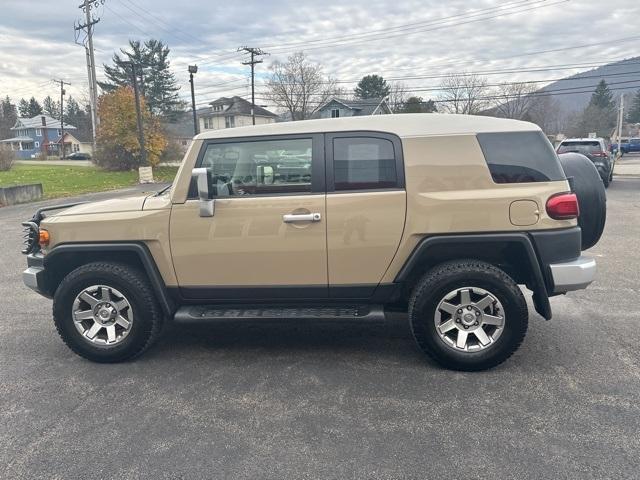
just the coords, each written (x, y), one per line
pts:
(206, 314)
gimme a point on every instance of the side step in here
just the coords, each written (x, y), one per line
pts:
(205, 314)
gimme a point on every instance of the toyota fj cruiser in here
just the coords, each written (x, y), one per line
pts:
(441, 215)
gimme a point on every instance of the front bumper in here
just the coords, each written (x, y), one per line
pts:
(574, 275)
(34, 276)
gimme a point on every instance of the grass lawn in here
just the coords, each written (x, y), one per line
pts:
(59, 181)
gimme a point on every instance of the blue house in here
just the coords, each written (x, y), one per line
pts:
(33, 136)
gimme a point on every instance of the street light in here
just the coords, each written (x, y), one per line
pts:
(193, 69)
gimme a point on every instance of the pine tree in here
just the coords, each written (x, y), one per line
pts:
(602, 97)
(23, 108)
(8, 116)
(157, 83)
(34, 108)
(51, 107)
(634, 110)
(372, 86)
(78, 117)
(417, 105)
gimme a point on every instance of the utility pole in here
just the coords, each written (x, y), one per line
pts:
(254, 52)
(620, 120)
(134, 78)
(87, 26)
(62, 93)
(193, 69)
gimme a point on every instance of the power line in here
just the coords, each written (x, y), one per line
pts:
(254, 53)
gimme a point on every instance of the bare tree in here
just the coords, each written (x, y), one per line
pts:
(397, 96)
(547, 113)
(299, 86)
(464, 93)
(514, 100)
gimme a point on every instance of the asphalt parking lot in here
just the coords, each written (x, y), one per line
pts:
(330, 401)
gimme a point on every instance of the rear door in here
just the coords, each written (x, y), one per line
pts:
(366, 206)
(267, 239)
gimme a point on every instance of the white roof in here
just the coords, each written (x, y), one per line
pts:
(36, 122)
(403, 125)
(596, 139)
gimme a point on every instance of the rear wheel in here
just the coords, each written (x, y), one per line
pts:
(468, 315)
(106, 312)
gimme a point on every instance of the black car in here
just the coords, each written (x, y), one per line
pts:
(79, 156)
(596, 150)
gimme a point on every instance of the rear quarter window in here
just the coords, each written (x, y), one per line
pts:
(520, 157)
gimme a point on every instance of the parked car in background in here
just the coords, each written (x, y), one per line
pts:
(79, 156)
(596, 149)
(624, 145)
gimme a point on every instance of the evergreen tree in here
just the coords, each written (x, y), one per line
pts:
(51, 107)
(23, 108)
(372, 86)
(602, 97)
(34, 108)
(77, 116)
(634, 111)
(417, 105)
(157, 83)
(8, 117)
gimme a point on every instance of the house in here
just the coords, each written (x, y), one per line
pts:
(231, 112)
(33, 136)
(340, 107)
(77, 142)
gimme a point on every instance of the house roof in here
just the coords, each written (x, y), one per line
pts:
(361, 106)
(234, 106)
(405, 125)
(81, 136)
(36, 122)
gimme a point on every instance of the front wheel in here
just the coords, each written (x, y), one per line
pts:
(106, 312)
(468, 315)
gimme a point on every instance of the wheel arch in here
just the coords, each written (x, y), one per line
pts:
(512, 252)
(66, 257)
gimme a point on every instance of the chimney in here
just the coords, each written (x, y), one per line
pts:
(44, 120)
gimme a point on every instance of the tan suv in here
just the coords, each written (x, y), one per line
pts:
(440, 215)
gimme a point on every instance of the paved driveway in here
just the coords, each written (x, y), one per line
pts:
(330, 401)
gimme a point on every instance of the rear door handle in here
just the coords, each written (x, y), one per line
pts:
(304, 217)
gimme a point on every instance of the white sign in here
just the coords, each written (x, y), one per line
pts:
(145, 174)
(593, 135)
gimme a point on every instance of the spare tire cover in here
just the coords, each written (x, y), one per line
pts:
(592, 198)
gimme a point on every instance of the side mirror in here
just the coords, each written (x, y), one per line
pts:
(202, 176)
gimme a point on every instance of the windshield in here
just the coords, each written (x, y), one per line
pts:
(580, 147)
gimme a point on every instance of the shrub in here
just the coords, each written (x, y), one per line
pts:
(6, 160)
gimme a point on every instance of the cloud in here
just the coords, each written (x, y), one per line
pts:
(36, 48)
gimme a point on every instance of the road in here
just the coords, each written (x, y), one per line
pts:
(330, 401)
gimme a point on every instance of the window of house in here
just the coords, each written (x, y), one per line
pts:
(38, 132)
(208, 123)
(37, 144)
(362, 163)
(59, 132)
(335, 113)
(217, 108)
(262, 167)
(76, 147)
(229, 121)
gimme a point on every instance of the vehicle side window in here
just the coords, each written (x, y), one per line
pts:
(260, 167)
(361, 163)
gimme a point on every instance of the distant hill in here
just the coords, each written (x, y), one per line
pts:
(613, 73)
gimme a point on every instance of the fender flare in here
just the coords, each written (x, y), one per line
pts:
(540, 293)
(138, 248)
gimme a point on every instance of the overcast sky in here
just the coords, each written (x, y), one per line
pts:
(395, 38)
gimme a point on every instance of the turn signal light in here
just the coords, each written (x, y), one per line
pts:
(563, 206)
(43, 238)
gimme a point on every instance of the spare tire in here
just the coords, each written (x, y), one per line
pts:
(592, 198)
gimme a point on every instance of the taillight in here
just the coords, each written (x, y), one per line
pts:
(563, 206)
(599, 154)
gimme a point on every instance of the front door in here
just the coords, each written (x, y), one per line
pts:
(267, 237)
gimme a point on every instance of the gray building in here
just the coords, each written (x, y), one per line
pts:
(341, 107)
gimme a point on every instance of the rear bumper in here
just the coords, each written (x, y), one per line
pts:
(574, 275)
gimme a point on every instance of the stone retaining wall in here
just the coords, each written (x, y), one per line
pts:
(20, 194)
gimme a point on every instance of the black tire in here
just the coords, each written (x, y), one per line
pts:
(145, 326)
(592, 198)
(449, 276)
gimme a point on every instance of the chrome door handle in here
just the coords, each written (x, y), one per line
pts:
(304, 217)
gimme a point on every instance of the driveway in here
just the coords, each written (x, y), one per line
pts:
(330, 400)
